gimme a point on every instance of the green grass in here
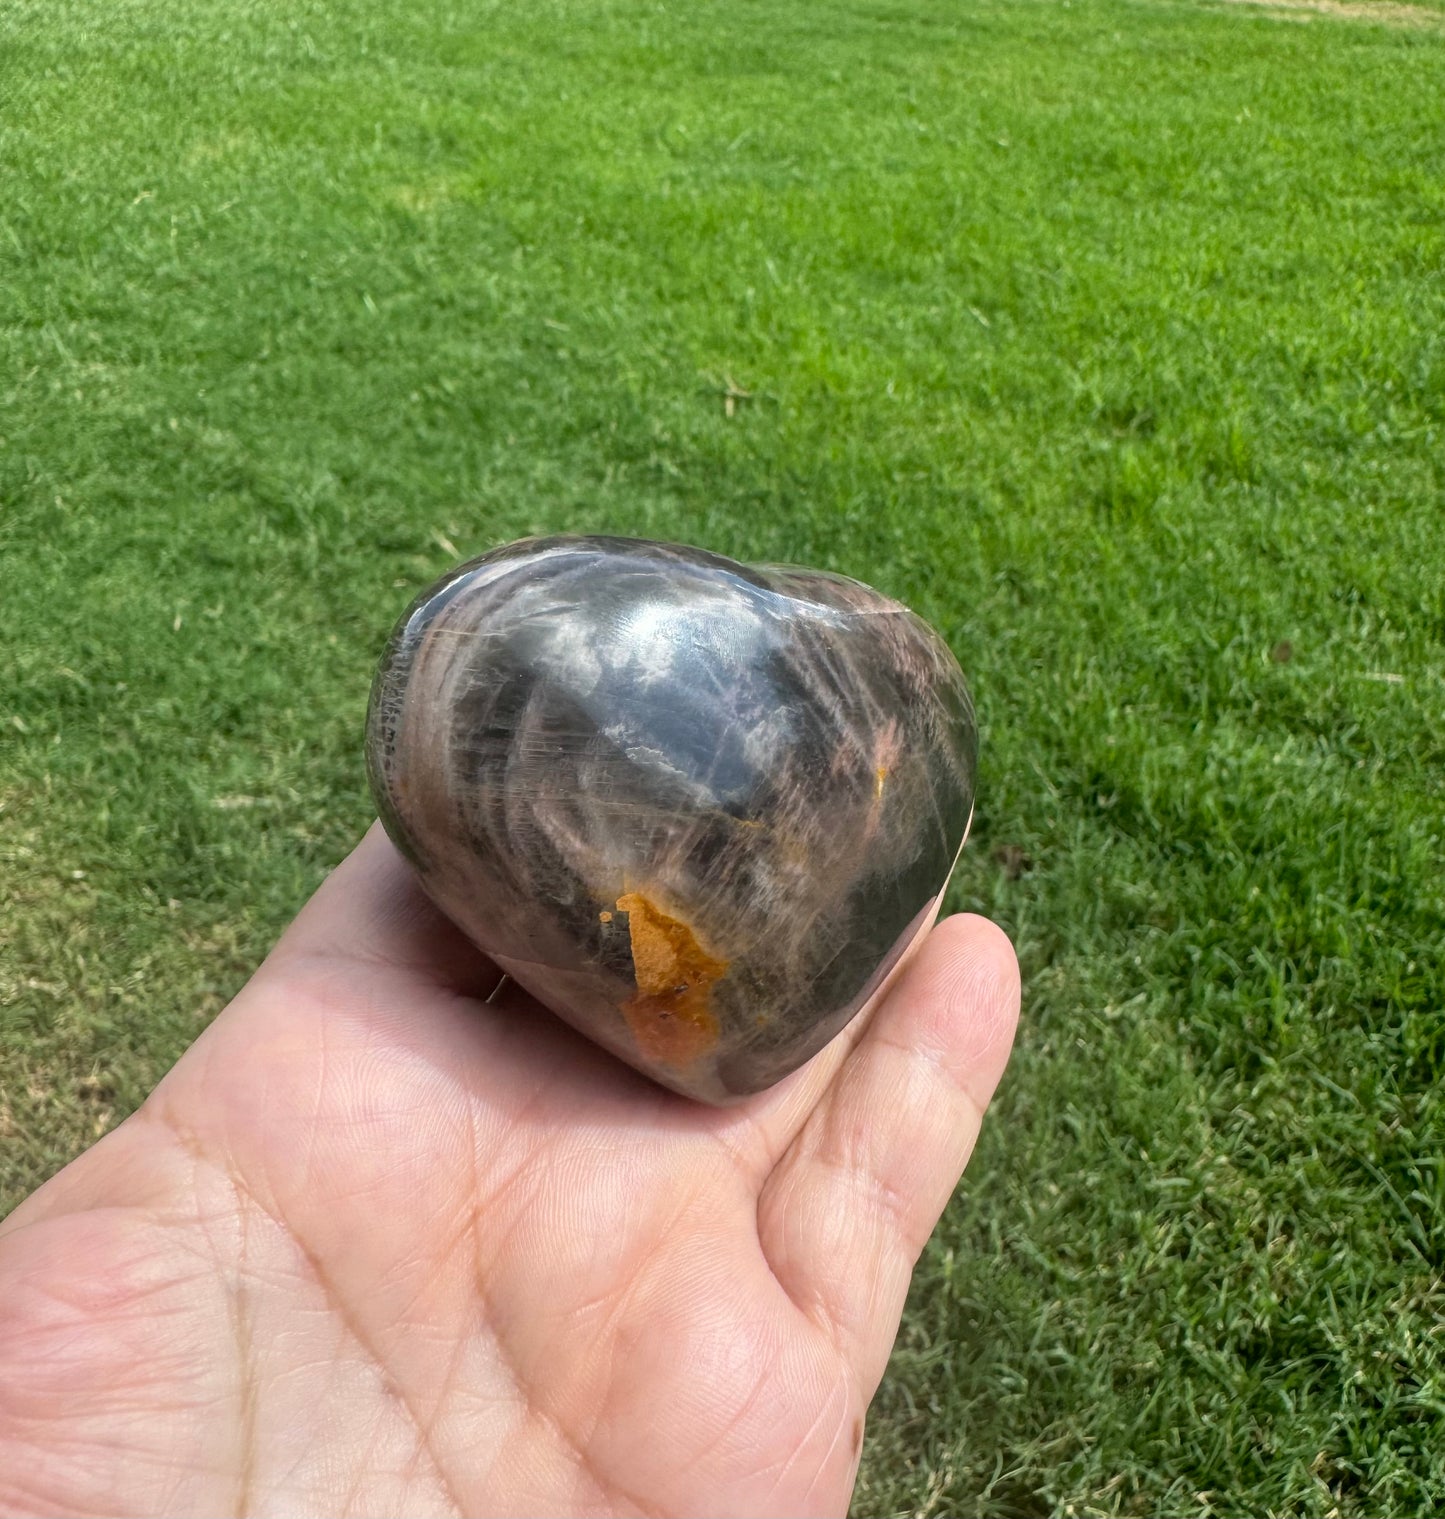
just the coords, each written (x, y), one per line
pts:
(1110, 335)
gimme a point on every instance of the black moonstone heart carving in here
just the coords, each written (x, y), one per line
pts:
(699, 809)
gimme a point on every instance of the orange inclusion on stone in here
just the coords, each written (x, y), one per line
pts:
(671, 1016)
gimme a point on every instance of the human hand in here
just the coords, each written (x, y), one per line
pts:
(375, 1245)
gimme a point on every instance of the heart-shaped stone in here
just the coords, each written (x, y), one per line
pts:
(697, 808)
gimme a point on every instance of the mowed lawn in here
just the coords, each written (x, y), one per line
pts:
(1109, 335)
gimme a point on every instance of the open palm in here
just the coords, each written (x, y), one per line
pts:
(378, 1245)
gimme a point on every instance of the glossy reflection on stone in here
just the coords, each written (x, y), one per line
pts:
(697, 808)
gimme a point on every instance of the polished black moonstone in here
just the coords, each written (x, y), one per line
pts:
(697, 808)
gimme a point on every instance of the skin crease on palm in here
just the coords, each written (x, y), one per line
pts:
(377, 1245)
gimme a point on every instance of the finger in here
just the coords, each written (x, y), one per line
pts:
(371, 910)
(848, 1209)
(769, 1122)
